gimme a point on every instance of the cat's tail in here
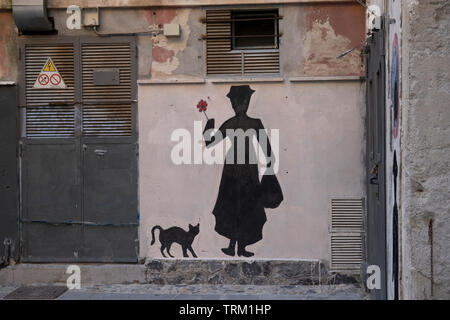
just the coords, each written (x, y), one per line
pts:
(153, 233)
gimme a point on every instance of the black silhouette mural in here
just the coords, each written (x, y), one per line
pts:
(178, 235)
(242, 197)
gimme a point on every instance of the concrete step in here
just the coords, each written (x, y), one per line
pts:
(208, 292)
(181, 272)
(30, 273)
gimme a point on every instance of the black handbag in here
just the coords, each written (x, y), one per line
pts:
(271, 193)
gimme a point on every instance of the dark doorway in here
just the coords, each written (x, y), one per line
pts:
(79, 155)
(376, 199)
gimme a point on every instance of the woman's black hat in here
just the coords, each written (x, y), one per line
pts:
(242, 91)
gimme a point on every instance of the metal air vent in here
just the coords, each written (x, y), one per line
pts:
(347, 234)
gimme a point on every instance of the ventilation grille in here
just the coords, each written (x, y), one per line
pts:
(347, 233)
(106, 108)
(346, 250)
(347, 215)
(221, 60)
(261, 62)
(49, 112)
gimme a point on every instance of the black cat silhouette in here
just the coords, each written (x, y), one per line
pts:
(176, 234)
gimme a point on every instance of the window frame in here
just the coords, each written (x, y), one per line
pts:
(245, 76)
(248, 12)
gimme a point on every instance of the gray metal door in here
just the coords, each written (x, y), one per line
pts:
(376, 204)
(79, 151)
(9, 183)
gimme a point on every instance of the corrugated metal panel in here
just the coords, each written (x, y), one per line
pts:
(50, 112)
(347, 233)
(106, 108)
(221, 60)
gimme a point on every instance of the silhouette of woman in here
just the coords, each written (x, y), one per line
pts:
(239, 208)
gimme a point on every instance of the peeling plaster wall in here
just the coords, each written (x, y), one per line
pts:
(159, 57)
(425, 186)
(331, 30)
(313, 35)
(8, 47)
(169, 53)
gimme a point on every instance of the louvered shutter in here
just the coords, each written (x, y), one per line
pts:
(106, 108)
(347, 233)
(49, 113)
(222, 60)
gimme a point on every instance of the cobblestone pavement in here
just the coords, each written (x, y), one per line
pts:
(210, 292)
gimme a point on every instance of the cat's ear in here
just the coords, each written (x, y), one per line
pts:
(198, 225)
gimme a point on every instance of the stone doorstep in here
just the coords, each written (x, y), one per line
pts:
(242, 272)
(181, 272)
(54, 273)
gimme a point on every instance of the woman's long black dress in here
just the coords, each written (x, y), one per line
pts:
(239, 209)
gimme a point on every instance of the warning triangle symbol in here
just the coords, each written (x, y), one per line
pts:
(49, 77)
(49, 67)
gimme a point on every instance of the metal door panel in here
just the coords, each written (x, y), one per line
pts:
(111, 243)
(43, 242)
(109, 151)
(52, 182)
(376, 205)
(110, 202)
(79, 205)
(109, 183)
(9, 227)
(51, 201)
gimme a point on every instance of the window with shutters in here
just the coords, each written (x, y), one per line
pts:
(242, 42)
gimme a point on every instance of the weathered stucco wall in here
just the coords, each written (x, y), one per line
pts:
(321, 157)
(313, 168)
(8, 47)
(425, 150)
(313, 35)
(321, 124)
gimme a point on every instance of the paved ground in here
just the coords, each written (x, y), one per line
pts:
(4, 290)
(209, 292)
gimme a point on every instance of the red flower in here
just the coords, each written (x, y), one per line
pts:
(202, 104)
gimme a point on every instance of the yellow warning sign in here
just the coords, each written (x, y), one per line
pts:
(49, 77)
(49, 67)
